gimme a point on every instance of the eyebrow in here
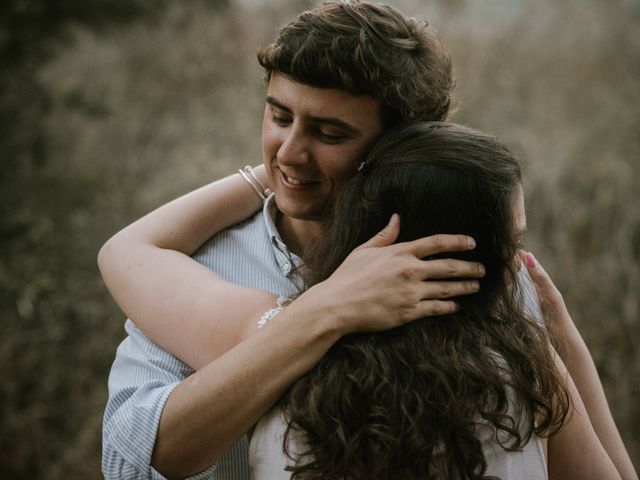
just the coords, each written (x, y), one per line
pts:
(324, 120)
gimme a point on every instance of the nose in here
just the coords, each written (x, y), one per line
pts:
(294, 149)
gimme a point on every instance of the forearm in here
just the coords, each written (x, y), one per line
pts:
(575, 355)
(576, 451)
(210, 410)
(579, 363)
(190, 311)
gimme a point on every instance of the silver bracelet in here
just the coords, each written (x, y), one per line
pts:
(252, 179)
(281, 302)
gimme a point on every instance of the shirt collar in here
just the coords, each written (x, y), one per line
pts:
(287, 260)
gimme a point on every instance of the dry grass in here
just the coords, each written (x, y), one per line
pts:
(140, 114)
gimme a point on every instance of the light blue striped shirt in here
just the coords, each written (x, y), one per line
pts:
(143, 374)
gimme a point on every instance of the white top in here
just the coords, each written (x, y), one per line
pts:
(267, 460)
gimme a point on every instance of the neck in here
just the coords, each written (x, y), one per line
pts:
(299, 235)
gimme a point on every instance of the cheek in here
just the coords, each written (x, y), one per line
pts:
(344, 164)
(269, 140)
(341, 170)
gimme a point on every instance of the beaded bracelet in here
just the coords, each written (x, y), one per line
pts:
(281, 302)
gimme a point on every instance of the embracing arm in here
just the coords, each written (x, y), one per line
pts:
(173, 299)
(582, 374)
(378, 287)
(575, 451)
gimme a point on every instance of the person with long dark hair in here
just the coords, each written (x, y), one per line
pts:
(476, 393)
(420, 400)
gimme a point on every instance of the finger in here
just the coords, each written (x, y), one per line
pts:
(428, 246)
(451, 268)
(539, 276)
(431, 308)
(434, 290)
(546, 289)
(386, 236)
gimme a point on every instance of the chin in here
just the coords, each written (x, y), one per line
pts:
(310, 213)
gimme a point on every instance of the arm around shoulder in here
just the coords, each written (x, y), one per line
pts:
(149, 273)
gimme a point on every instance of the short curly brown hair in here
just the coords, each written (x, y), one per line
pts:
(367, 49)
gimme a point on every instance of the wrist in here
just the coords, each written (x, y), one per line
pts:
(327, 317)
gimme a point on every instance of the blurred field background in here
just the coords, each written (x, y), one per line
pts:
(110, 108)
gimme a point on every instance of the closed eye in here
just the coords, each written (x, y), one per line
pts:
(280, 120)
(330, 137)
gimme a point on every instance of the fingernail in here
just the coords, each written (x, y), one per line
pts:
(481, 269)
(472, 243)
(392, 219)
(531, 260)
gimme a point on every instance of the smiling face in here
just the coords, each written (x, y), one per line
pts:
(312, 141)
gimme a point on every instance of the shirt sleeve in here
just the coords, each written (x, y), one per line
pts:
(142, 377)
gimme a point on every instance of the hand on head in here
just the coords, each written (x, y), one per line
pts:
(382, 285)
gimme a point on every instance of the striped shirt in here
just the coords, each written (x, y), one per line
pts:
(143, 374)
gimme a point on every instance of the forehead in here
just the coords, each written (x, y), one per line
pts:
(360, 111)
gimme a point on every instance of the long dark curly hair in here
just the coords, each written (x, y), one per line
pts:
(408, 403)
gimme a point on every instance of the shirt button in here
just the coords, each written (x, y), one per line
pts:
(286, 267)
